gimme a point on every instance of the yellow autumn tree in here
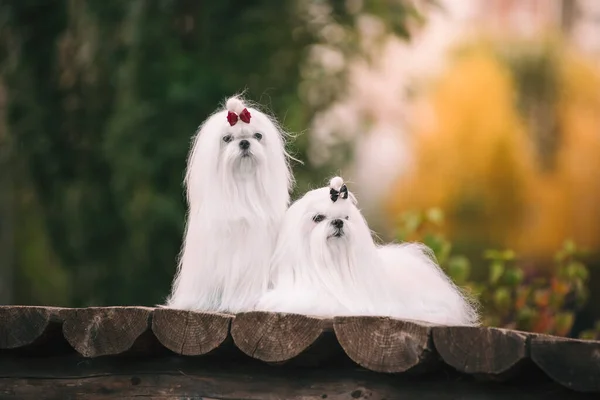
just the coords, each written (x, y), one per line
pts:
(478, 160)
(566, 201)
(472, 156)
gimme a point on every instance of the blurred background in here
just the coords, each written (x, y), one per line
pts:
(473, 125)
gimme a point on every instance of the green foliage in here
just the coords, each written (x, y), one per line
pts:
(591, 334)
(102, 100)
(510, 296)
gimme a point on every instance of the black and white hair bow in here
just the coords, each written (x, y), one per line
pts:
(335, 194)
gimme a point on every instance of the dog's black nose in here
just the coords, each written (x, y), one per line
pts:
(338, 223)
(244, 144)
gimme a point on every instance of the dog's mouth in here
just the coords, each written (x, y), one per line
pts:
(246, 163)
(339, 232)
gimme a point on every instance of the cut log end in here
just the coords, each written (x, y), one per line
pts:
(20, 326)
(384, 344)
(276, 337)
(190, 333)
(477, 350)
(572, 363)
(95, 332)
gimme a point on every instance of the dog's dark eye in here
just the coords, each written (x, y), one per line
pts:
(318, 218)
(258, 136)
(346, 217)
(227, 138)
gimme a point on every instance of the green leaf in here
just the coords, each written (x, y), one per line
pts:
(525, 318)
(504, 255)
(513, 277)
(570, 247)
(588, 335)
(444, 252)
(508, 255)
(475, 289)
(496, 271)
(491, 254)
(577, 270)
(435, 216)
(412, 222)
(502, 299)
(459, 269)
(436, 243)
(563, 322)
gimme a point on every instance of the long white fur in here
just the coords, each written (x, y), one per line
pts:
(315, 273)
(235, 207)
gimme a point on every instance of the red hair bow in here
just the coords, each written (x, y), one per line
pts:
(232, 117)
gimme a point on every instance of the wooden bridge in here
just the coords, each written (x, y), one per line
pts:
(126, 352)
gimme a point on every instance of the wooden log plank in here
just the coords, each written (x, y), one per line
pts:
(478, 350)
(190, 333)
(21, 326)
(200, 378)
(570, 362)
(263, 387)
(100, 331)
(384, 344)
(276, 337)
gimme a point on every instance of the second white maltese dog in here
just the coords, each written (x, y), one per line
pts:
(327, 264)
(237, 182)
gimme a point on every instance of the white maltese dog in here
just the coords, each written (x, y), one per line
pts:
(327, 264)
(238, 181)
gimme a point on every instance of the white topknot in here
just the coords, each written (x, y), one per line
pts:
(336, 183)
(235, 105)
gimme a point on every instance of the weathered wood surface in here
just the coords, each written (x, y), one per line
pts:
(386, 344)
(102, 331)
(275, 337)
(21, 326)
(204, 378)
(383, 345)
(491, 351)
(572, 363)
(190, 333)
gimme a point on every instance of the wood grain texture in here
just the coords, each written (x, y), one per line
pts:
(479, 350)
(20, 326)
(190, 333)
(101, 331)
(572, 363)
(203, 378)
(266, 387)
(276, 337)
(30, 334)
(385, 344)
